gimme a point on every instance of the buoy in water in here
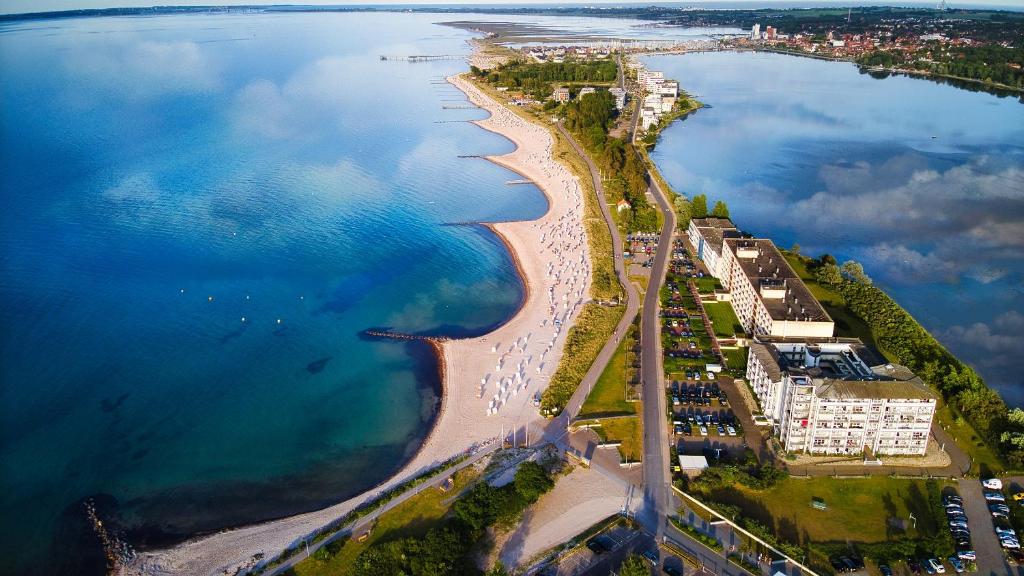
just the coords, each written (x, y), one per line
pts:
(243, 319)
(278, 320)
(209, 298)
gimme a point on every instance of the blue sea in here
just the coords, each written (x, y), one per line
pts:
(920, 181)
(201, 215)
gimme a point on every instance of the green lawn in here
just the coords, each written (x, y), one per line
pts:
(969, 441)
(736, 359)
(858, 510)
(608, 398)
(707, 284)
(848, 324)
(723, 319)
(628, 430)
(412, 518)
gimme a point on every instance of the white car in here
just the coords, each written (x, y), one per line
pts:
(936, 566)
(703, 431)
(993, 484)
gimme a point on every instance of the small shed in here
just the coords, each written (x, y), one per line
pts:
(692, 465)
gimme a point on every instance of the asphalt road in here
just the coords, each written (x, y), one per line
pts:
(657, 494)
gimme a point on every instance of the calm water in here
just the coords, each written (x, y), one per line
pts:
(921, 182)
(200, 215)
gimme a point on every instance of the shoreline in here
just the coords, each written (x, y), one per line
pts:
(471, 369)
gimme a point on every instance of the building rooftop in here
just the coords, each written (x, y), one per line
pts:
(713, 222)
(783, 293)
(840, 368)
(715, 230)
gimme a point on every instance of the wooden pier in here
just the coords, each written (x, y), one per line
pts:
(420, 57)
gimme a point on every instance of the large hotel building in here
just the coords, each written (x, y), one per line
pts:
(823, 395)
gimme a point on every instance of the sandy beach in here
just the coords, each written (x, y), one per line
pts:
(489, 382)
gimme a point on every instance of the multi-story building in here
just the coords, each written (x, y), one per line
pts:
(587, 90)
(706, 235)
(561, 95)
(755, 32)
(669, 88)
(767, 295)
(837, 396)
(620, 97)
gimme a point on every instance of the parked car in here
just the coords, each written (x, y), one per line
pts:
(966, 554)
(992, 484)
(936, 565)
(703, 430)
(915, 567)
(651, 556)
(730, 430)
(957, 564)
(993, 496)
(885, 570)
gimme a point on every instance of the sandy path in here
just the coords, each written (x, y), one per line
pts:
(579, 500)
(489, 381)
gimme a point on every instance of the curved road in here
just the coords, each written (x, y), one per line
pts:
(632, 298)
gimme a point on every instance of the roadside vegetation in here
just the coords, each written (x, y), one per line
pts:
(628, 431)
(429, 535)
(613, 394)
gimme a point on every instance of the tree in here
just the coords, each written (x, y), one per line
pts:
(634, 566)
(795, 249)
(532, 481)
(828, 274)
(828, 259)
(720, 210)
(854, 271)
(699, 206)
(683, 212)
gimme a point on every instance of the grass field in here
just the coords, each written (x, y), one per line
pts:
(412, 518)
(983, 460)
(629, 431)
(608, 398)
(847, 323)
(723, 319)
(858, 510)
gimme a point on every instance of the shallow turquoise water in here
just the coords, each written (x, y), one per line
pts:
(922, 182)
(201, 214)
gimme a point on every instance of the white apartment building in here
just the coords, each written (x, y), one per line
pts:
(706, 235)
(837, 396)
(587, 90)
(648, 117)
(620, 97)
(767, 295)
(669, 88)
(755, 32)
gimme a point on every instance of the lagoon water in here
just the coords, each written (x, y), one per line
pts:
(201, 214)
(922, 182)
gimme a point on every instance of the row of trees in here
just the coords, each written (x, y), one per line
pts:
(697, 207)
(536, 79)
(897, 333)
(590, 118)
(992, 63)
(445, 549)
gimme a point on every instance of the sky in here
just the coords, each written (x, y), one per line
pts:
(24, 6)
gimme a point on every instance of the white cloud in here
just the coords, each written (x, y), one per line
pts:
(139, 70)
